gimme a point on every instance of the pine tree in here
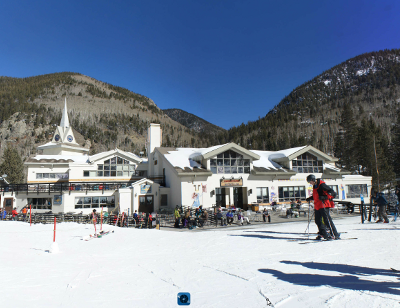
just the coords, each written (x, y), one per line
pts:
(12, 166)
(346, 139)
(395, 146)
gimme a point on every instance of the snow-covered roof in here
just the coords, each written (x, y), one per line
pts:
(265, 161)
(284, 153)
(81, 159)
(182, 157)
(329, 166)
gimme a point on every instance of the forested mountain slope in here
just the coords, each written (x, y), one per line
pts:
(363, 91)
(105, 116)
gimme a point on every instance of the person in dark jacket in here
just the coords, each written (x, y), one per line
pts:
(381, 202)
(323, 195)
(221, 217)
(266, 214)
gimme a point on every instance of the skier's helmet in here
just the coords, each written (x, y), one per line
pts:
(310, 177)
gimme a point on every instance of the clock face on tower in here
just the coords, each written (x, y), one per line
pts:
(57, 137)
(70, 138)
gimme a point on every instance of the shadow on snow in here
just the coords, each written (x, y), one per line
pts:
(347, 281)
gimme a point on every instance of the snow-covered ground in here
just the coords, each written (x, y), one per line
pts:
(223, 268)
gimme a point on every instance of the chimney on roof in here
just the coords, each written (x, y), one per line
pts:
(154, 137)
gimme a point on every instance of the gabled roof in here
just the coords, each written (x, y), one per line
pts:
(289, 154)
(214, 151)
(142, 181)
(122, 154)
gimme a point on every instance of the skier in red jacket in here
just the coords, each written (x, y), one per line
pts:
(14, 214)
(323, 195)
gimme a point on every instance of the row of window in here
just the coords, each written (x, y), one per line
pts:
(116, 161)
(40, 203)
(292, 193)
(94, 202)
(55, 176)
(230, 170)
(116, 167)
(108, 173)
(308, 169)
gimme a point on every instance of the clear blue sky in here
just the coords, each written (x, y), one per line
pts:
(228, 62)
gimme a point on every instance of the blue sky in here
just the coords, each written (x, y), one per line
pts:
(228, 62)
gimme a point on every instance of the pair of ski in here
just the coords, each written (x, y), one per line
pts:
(98, 235)
(323, 240)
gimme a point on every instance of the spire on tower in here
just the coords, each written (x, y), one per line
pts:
(64, 119)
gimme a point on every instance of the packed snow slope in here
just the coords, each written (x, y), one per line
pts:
(234, 267)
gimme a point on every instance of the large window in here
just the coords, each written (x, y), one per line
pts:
(40, 203)
(230, 162)
(262, 195)
(335, 188)
(290, 193)
(113, 167)
(354, 191)
(307, 163)
(94, 202)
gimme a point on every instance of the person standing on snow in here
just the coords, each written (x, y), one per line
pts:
(14, 214)
(381, 202)
(323, 195)
(177, 216)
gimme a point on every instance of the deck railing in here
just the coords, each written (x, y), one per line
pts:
(74, 186)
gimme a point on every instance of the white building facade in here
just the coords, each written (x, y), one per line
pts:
(65, 178)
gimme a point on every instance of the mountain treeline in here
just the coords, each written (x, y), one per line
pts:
(365, 88)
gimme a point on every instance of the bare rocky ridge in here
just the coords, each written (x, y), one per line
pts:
(193, 122)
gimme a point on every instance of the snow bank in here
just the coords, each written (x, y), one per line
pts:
(238, 267)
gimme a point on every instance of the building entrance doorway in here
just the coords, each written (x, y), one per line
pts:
(8, 204)
(220, 196)
(146, 204)
(238, 197)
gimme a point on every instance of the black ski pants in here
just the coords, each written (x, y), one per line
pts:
(328, 223)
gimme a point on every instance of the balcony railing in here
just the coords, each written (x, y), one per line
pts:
(73, 186)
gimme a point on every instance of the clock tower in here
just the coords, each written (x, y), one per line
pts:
(63, 142)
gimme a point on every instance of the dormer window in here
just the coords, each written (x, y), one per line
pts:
(114, 167)
(229, 162)
(307, 163)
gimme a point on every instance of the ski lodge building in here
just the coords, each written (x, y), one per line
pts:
(65, 178)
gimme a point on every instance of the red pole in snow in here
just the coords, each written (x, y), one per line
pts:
(30, 214)
(54, 238)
